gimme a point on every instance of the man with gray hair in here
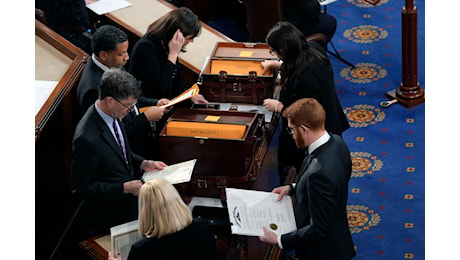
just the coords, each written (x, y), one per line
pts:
(105, 172)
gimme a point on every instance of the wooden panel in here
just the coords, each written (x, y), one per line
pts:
(56, 59)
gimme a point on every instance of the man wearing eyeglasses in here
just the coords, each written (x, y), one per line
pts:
(105, 172)
(320, 191)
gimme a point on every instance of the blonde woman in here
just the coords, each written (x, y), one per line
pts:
(167, 228)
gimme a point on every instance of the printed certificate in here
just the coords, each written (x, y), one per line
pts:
(250, 210)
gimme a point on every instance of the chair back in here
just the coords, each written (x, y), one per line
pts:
(261, 15)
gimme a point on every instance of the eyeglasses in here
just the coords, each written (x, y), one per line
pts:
(290, 129)
(129, 107)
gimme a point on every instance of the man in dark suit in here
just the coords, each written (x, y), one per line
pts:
(110, 50)
(105, 172)
(321, 190)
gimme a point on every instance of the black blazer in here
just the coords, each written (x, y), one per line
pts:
(195, 242)
(138, 128)
(320, 195)
(99, 171)
(315, 81)
(159, 77)
(88, 87)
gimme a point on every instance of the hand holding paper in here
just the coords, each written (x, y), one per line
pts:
(176, 173)
(249, 211)
(189, 93)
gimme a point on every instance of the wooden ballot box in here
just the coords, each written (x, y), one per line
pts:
(225, 144)
(234, 73)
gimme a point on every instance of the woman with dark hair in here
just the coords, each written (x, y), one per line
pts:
(154, 58)
(306, 72)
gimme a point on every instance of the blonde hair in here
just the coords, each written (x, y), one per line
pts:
(161, 209)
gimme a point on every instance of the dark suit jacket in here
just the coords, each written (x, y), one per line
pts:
(159, 77)
(194, 242)
(99, 171)
(315, 81)
(320, 195)
(138, 128)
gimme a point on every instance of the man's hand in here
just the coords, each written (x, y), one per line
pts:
(282, 190)
(132, 187)
(154, 113)
(269, 237)
(149, 165)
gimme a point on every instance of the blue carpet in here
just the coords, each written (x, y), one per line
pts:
(386, 202)
(386, 205)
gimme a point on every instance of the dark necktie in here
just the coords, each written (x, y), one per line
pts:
(120, 142)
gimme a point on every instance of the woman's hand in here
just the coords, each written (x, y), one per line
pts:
(175, 46)
(270, 66)
(199, 99)
(273, 105)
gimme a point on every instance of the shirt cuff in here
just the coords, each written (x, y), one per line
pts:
(279, 242)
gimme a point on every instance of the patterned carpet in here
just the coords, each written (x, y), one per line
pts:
(386, 205)
(386, 201)
(387, 191)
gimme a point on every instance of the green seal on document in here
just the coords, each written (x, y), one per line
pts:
(273, 226)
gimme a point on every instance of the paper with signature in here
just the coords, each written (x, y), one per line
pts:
(250, 210)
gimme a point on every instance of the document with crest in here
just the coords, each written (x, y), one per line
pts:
(250, 210)
(175, 173)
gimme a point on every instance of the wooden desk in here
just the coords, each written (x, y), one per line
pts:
(58, 60)
(97, 248)
(135, 19)
(265, 174)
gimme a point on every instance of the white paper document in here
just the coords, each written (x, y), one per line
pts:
(326, 2)
(43, 90)
(189, 93)
(251, 210)
(101, 7)
(123, 237)
(176, 173)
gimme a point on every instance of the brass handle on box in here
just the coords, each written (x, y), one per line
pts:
(261, 126)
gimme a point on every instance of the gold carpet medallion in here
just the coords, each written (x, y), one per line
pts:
(361, 218)
(365, 34)
(363, 115)
(364, 4)
(363, 73)
(364, 164)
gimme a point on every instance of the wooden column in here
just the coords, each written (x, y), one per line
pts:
(409, 93)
